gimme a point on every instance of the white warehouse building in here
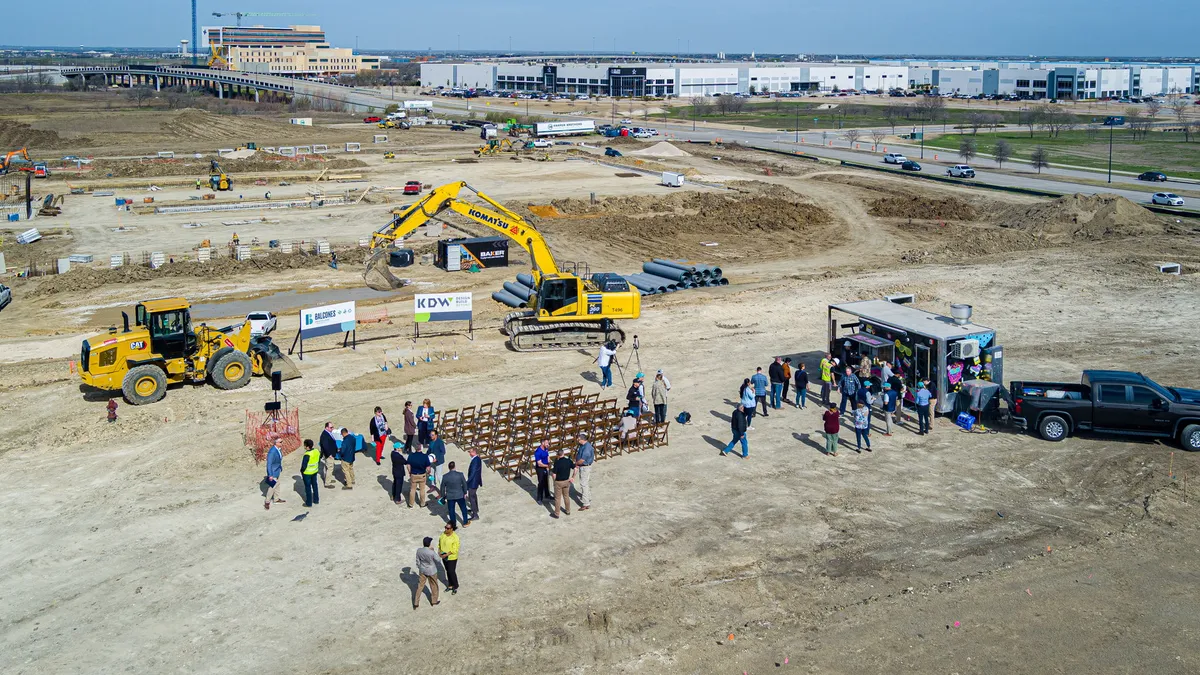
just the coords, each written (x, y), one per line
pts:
(662, 79)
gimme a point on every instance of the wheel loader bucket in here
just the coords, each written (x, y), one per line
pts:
(378, 276)
(286, 368)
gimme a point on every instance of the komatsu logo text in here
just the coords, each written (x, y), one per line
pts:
(479, 215)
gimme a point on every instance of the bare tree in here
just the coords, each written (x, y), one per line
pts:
(1153, 107)
(1039, 158)
(877, 136)
(1134, 119)
(966, 149)
(852, 135)
(1179, 107)
(140, 95)
(1001, 152)
(1030, 118)
(725, 103)
(929, 108)
(701, 106)
(1053, 119)
(976, 120)
(845, 110)
(892, 114)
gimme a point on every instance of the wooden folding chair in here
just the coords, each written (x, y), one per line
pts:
(449, 423)
(660, 433)
(520, 403)
(504, 407)
(485, 410)
(536, 401)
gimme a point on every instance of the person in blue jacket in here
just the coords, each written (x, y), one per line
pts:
(425, 420)
(274, 470)
(350, 447)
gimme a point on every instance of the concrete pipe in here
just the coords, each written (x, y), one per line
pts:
(666, 272)
(686, 267)
(641, 282)
(507, 298)
(521, 291)
(670, 284)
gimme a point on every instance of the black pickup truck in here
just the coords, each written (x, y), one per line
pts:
(1108, 401)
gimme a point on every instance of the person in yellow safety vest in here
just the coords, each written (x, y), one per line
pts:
(199, 183)
(309, 465)
(826, 378)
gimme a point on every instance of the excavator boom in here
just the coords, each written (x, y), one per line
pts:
(433, 204)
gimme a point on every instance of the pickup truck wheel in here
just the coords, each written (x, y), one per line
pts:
(1053, 428)
(1190, 438)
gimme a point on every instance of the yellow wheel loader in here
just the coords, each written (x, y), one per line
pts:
(163, 348)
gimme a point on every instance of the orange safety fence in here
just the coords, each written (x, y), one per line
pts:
(264, 428)
(372, 315)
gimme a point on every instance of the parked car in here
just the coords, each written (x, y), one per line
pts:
(373, 119)
(961, 171)
(910, 165)
(609, 152)
(642, 133)
(5, 296)
(261, 323)
(1108, 401)
(458, 127)
(412, 187)
(894, 158)
(542, 143)
(1156, 176)
(563, 143)
(1167, 198)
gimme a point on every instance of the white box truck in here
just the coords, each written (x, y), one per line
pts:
(672, 179)
(544, 129)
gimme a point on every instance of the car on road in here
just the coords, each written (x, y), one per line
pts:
(1167, 199)
(961, 171)
(261, 323)
(412, 187)
(1108, 401)
(1154, 176)
(894, 158)
(910, 165)
(626, 121)
(458, 127)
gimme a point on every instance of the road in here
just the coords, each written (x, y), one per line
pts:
(1124, 186)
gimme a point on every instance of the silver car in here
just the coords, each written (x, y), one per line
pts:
(1167, 198)
(5, 296)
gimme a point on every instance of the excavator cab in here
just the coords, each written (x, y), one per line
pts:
(558, 297)
(171, 333)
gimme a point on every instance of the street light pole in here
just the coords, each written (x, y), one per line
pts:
(797, 125)
(922, 138)
(1110, 142)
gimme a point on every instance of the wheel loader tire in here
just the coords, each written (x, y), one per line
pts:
(144, 384)
(232, 370)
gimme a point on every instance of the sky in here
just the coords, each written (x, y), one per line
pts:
(1009, 27)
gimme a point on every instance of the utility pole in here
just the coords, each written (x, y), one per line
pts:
(1110, 142)
(797, 125)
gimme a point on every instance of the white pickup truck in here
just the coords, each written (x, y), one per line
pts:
(894, 158)
(961, 171)
(261, 323)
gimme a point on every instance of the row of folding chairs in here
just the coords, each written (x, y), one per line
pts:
(516, 458)
(465, 421)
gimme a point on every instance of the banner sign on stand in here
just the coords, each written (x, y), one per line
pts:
(326, 320)
(429, 307)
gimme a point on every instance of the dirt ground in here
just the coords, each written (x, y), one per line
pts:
(142, 545)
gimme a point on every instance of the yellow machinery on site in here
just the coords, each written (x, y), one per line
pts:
(389, 155)
(571, 309)
(164, 348)
(217, 179)
(494, 147)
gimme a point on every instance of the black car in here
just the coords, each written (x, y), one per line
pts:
(458, 127)
(1111, 402)
(1154, 176)
(910, 165)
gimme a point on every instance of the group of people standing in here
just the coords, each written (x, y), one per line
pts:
(871, 384)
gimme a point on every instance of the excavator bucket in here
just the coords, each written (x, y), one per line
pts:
(378, 275)
(286, 367)
(266, 358)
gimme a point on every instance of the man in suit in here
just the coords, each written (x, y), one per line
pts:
(348, 451)
(329, 453)
(474, 481)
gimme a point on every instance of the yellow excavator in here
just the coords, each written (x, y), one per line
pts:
(218, 180)
(164, 348)
(569, 311)
(494, 147)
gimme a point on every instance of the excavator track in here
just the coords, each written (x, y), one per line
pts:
(527, 334)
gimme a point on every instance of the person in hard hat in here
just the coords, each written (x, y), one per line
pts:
(198, 183)
(310, 464)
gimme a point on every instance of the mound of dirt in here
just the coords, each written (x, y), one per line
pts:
(149, 168)
(87, 278)
(19, 135)
(1080, 216)
(677, 203)
(194, 124)
(661, 149)
(923, 208)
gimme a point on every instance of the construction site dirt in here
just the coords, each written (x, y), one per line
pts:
(142, 545)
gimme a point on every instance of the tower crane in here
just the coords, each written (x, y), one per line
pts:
(238, 15)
